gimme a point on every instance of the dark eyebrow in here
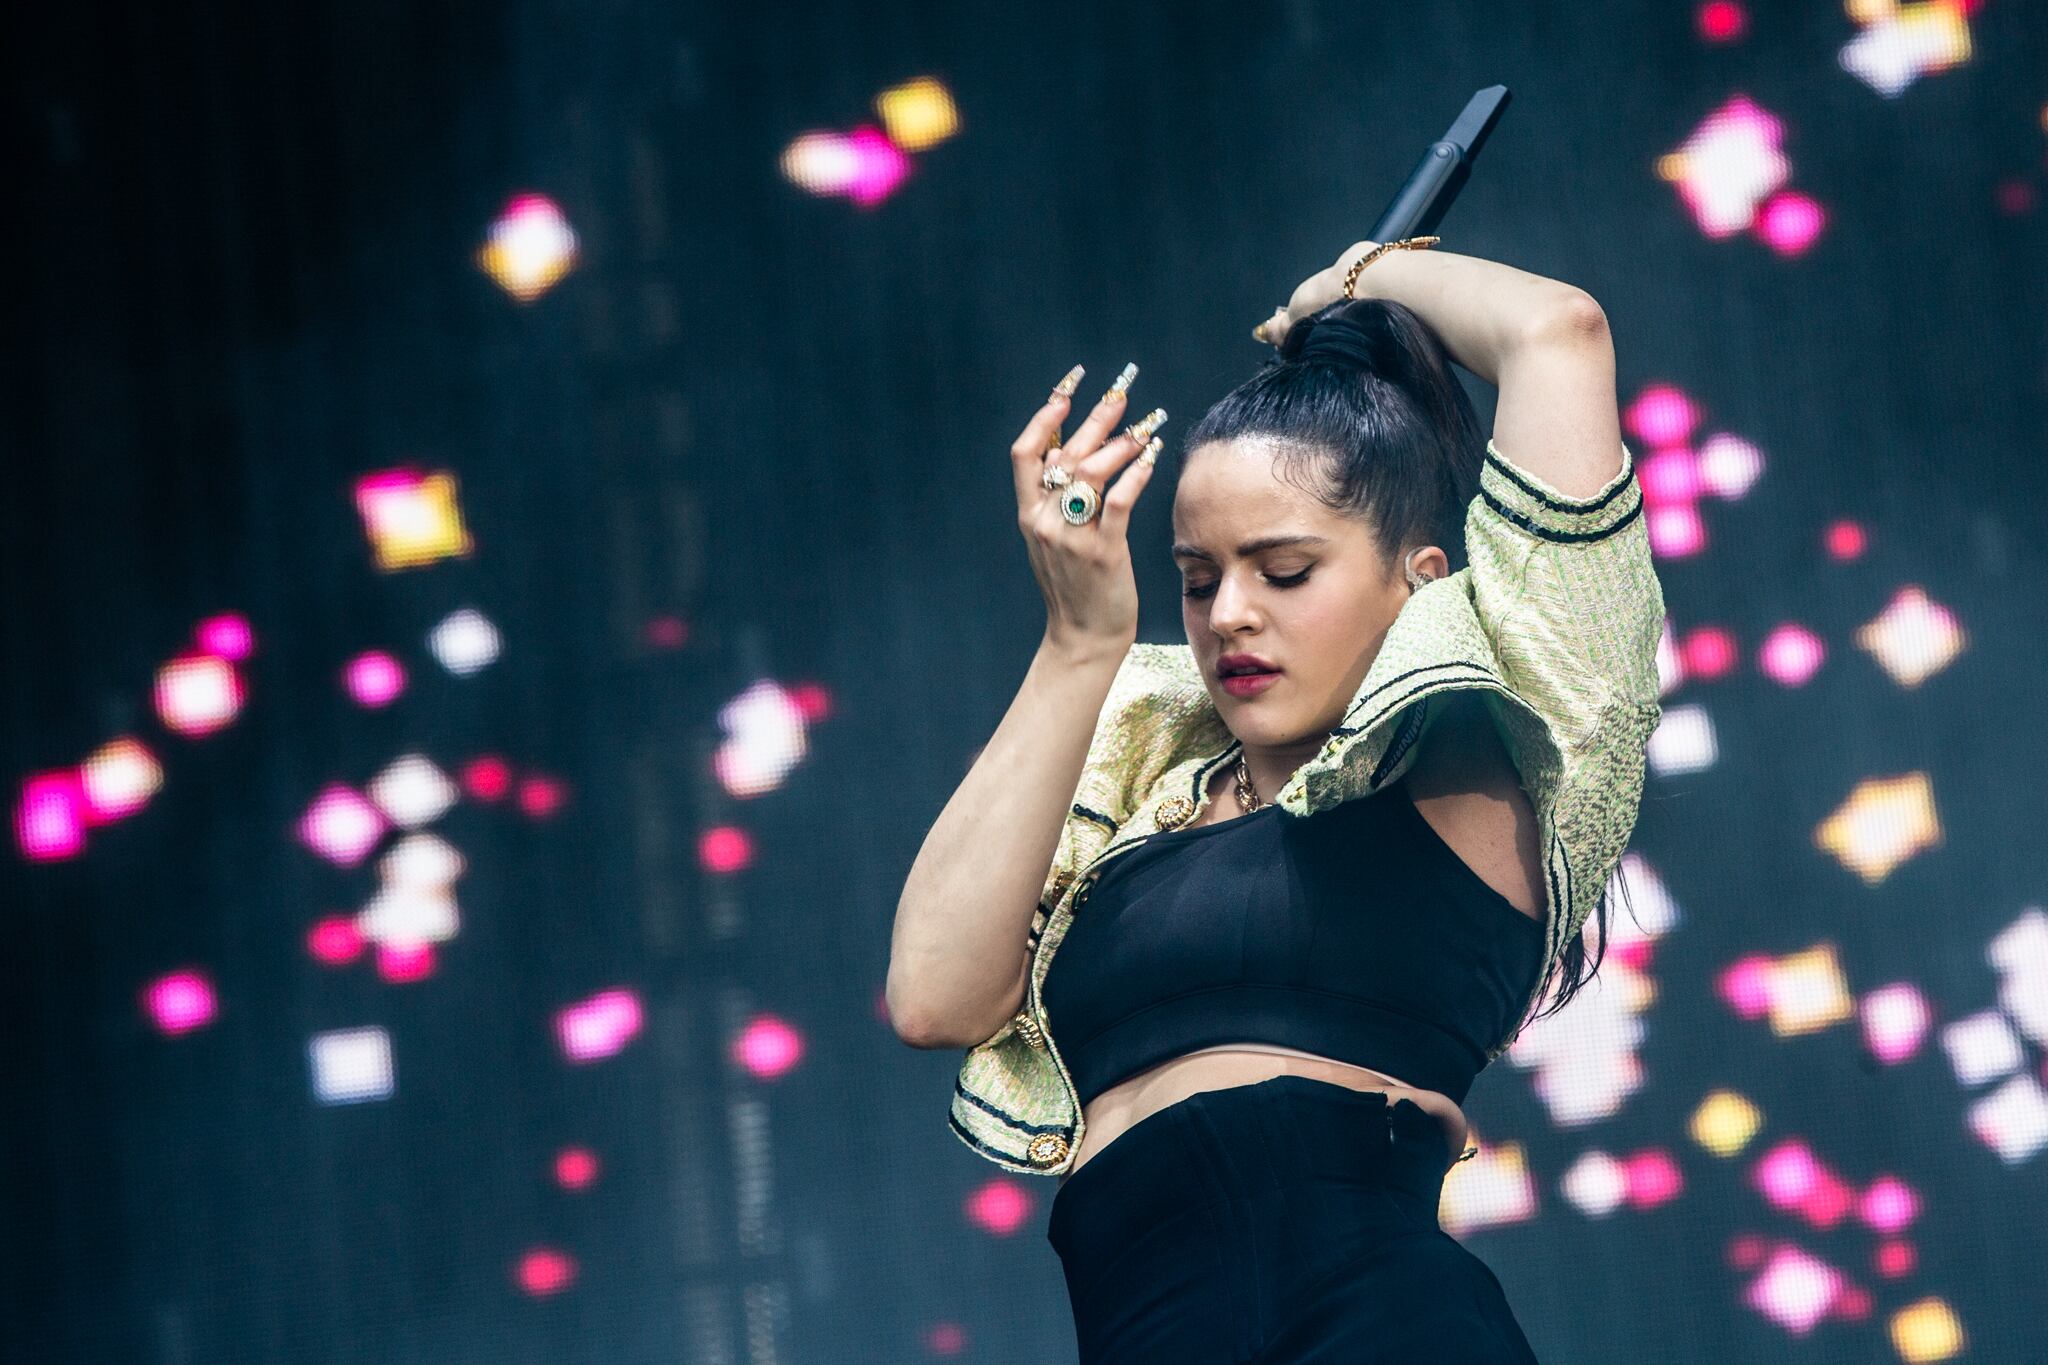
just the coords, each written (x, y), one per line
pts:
(1250, 547)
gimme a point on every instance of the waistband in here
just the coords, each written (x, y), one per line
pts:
(1244, 1140)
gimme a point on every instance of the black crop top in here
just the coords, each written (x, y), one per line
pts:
(1355, 933)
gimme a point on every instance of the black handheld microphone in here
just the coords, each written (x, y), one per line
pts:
(1422, 201)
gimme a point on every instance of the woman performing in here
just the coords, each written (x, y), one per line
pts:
(1313, 870)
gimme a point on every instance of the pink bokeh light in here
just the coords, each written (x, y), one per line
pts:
(1708, 652)
(1675, 532)
(1894, 1258)
(1662, 415)
(541, 797)
(374, 678)
(227, 636)
(180, 1002)
(487, 778)
(1845, 540)
(813, 702)
(544, 1271)
(879, 166)
(599, 1027)
(1652, 1178)
(335, 941)
(1720, 21)
(767, 1047)
(400, 963)
(998, 1206)
(1889, 1205)
(341, 825)
(1746, 985)
(725, 849)
(1790, 222)
(1895, 1021)
(49, 823)
(576, 1168)
(1791, 654)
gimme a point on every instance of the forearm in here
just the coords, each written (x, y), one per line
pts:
(957, 958)
(1482, 309)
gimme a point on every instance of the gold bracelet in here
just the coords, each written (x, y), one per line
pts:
(1406, 243)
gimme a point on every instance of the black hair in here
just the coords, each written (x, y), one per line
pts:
(1374, 418)
(1373, 414)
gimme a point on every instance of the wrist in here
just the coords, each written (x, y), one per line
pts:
(1072, 652)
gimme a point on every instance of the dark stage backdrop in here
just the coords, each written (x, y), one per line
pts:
(508, 545)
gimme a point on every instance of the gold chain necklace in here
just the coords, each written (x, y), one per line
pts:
(1247, 795)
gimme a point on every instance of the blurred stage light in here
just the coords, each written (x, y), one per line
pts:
(1808, 992)
(530, 248)
(1895, 1022)
(1725, 1122)
(409, 916)
(576, 1168)
(2019, 954)
(1889, 1205)
(1927, 1331)
(374, 678)
(863, 165)
(1881, 824)
(335, 941)
(1728, 466)
(918, 114)
(1683, 741)
(465, 642)
(1790, 655)
(1596, 1184)
(487, 778)
(1795, 1290)
(725, 849)
(1845, 540)
(1982, 1047)
(351, 1065)
(1728, 166)
(412, 791)
(998, 1206)
(119, 779)
(400, 963)
(541, 797)
(599, 1027)
(1789, 222)
(1493, 1189)
(411, 518)
(544, 1271)
(341, 826)
(424, 861)
(180, 1002)
(1900, 43)
(2013, 1119)
(1913, 638)
(227, 636)
(197, 694)
(50, 821)
(766, 1048)
(764, 730)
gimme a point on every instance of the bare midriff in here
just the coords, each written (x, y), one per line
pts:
(1230, 1064)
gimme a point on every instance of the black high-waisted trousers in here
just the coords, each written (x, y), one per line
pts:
(1287, 1220)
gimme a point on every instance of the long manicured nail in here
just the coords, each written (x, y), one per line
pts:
(1121, 382)
(1143, 430)
(1065, 388)
(1150, 454)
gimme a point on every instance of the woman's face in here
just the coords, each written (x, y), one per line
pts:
(1267, 570)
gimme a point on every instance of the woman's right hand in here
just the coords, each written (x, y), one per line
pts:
(1091, 592)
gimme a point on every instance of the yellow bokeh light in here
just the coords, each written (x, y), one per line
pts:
(1927, 1330)
(1883, 822)
(917, 114)
(1725, 1122)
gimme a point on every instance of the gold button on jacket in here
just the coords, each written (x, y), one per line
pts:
(1555, 621)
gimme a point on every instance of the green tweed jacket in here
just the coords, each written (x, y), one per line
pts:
(1555, 619)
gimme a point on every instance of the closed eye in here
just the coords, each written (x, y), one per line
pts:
(1209, 589)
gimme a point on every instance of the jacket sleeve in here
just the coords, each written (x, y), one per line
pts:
(1565, 589)
(1140, 728)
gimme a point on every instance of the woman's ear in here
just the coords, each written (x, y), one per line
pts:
(1425, 562)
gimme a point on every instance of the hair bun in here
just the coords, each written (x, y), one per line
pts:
(1353, 334)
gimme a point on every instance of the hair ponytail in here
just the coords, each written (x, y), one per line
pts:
(1361, 395)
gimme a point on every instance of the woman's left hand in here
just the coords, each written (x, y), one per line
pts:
(1319, 290)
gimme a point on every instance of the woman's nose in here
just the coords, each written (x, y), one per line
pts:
(1230, 610)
